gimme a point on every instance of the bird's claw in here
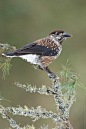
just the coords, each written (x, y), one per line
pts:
(53, 77)
(38, 67)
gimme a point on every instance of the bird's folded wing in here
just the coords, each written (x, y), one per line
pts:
(33, 48)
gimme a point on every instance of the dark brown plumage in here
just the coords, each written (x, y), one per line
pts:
(43, 51)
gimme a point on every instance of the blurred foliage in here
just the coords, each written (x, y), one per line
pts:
(72, 80)
(5, 62)
(5, 66)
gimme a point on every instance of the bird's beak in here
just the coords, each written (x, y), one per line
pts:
(66, 35)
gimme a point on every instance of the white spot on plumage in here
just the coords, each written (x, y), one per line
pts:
(54, 39)
(7, 55)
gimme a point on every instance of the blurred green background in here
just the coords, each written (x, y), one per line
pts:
(24, 21)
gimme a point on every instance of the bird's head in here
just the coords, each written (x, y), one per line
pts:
(60, 35)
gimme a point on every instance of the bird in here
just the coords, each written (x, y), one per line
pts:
(43, 51)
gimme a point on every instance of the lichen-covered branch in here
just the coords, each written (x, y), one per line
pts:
(4, 114)
(7, 47)
(35, 113)
(59, 100)
(34, 89)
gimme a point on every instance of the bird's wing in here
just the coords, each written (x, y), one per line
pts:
(33, 48)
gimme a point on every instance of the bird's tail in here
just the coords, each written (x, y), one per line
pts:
(11, 54)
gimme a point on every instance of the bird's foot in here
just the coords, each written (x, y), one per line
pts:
(38, 67)
(53, 77)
